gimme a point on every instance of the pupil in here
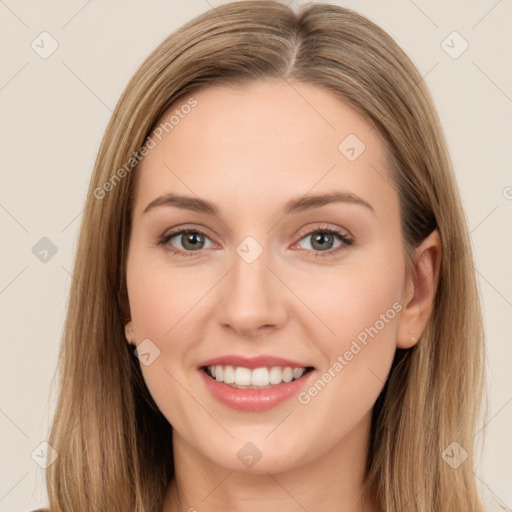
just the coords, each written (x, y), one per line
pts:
(321, 239)
(190, 239)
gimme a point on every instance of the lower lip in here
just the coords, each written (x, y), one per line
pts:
(254, 399)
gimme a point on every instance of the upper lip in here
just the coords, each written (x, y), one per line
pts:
(253, 362)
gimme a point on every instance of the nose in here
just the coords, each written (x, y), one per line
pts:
(252, 298)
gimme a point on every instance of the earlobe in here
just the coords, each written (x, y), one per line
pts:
(129, 333)
(420, 291)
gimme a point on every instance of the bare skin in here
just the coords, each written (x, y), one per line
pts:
(250, 150)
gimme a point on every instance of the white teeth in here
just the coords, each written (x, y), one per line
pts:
(259, 377)
(229, 374)
(287, 374)
(241, 377)
(276, 375)
(298, 372)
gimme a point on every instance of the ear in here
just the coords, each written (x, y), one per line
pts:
(125, 308)
(129, 333)
(419, 291)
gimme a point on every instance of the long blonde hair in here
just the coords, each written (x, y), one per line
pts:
(114, 445)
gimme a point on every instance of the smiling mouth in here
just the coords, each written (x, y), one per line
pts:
(240, 377)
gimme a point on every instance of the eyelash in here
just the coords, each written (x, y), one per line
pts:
(347, 241)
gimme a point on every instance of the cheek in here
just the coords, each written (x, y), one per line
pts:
(359, 306)
(165, 305)
(353, 301)
(161, 306)
(161, 297)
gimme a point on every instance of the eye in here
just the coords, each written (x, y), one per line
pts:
(323, 239)
(322, 243)
(191, 240)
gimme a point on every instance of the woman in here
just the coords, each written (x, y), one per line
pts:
(323, 347)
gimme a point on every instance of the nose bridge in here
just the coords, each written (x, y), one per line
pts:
(250, 296)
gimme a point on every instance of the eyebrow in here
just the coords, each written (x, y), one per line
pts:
(298, 205)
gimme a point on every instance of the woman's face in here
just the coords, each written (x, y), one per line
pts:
(312, 288)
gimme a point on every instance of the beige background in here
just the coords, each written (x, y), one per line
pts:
(54, 112)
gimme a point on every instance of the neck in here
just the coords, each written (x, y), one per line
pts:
(332, 482)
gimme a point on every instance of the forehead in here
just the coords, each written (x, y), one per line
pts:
(257, 144)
